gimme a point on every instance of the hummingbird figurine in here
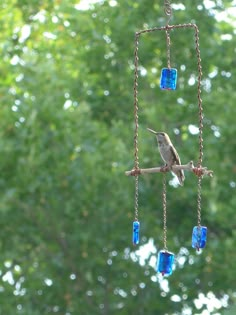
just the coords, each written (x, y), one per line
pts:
(168, 153)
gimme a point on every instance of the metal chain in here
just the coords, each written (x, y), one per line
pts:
(164, 212)
(136, 158)
(200, 114)
(168, 12)
(200, 108)
(136, 199)
(199, 201)
(168, 48)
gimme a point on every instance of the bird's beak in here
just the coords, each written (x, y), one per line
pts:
(152, 131)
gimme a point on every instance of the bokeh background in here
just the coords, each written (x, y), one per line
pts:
(66, 139)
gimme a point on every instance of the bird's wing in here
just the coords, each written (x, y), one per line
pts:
(176, 158)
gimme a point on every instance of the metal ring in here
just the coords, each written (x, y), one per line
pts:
(167, 8)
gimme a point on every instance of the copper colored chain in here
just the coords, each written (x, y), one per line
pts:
(168, 12)
(164, 212)
(200, 117)
(168, 48)
(136, 158)
(200, 108)
(199, 201)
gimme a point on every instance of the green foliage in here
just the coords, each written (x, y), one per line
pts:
(66, 139)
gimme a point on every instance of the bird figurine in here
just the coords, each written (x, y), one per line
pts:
(168, 153)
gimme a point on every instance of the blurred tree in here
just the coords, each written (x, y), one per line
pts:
(66, 139)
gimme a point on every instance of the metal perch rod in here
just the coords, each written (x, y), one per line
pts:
(199, 171)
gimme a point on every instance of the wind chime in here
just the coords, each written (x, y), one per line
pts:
(168, 81)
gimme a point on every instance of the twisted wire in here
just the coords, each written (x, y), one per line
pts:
(136, 199)
(164, 212)
(199, 201)
(200, 108)
(200, 118)
(136, 158)
(168, 48)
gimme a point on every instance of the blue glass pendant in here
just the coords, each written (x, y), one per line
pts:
(199, 237)
(165, 262)
(136, 227)
(168, 79)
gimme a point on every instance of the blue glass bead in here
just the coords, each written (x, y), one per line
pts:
(136, 227)
(165, 262)
(199, 237)
(168, 79)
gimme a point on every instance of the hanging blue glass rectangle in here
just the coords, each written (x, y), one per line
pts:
(168, 79)
(136, 228)
(165, 262)
(199, 237)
